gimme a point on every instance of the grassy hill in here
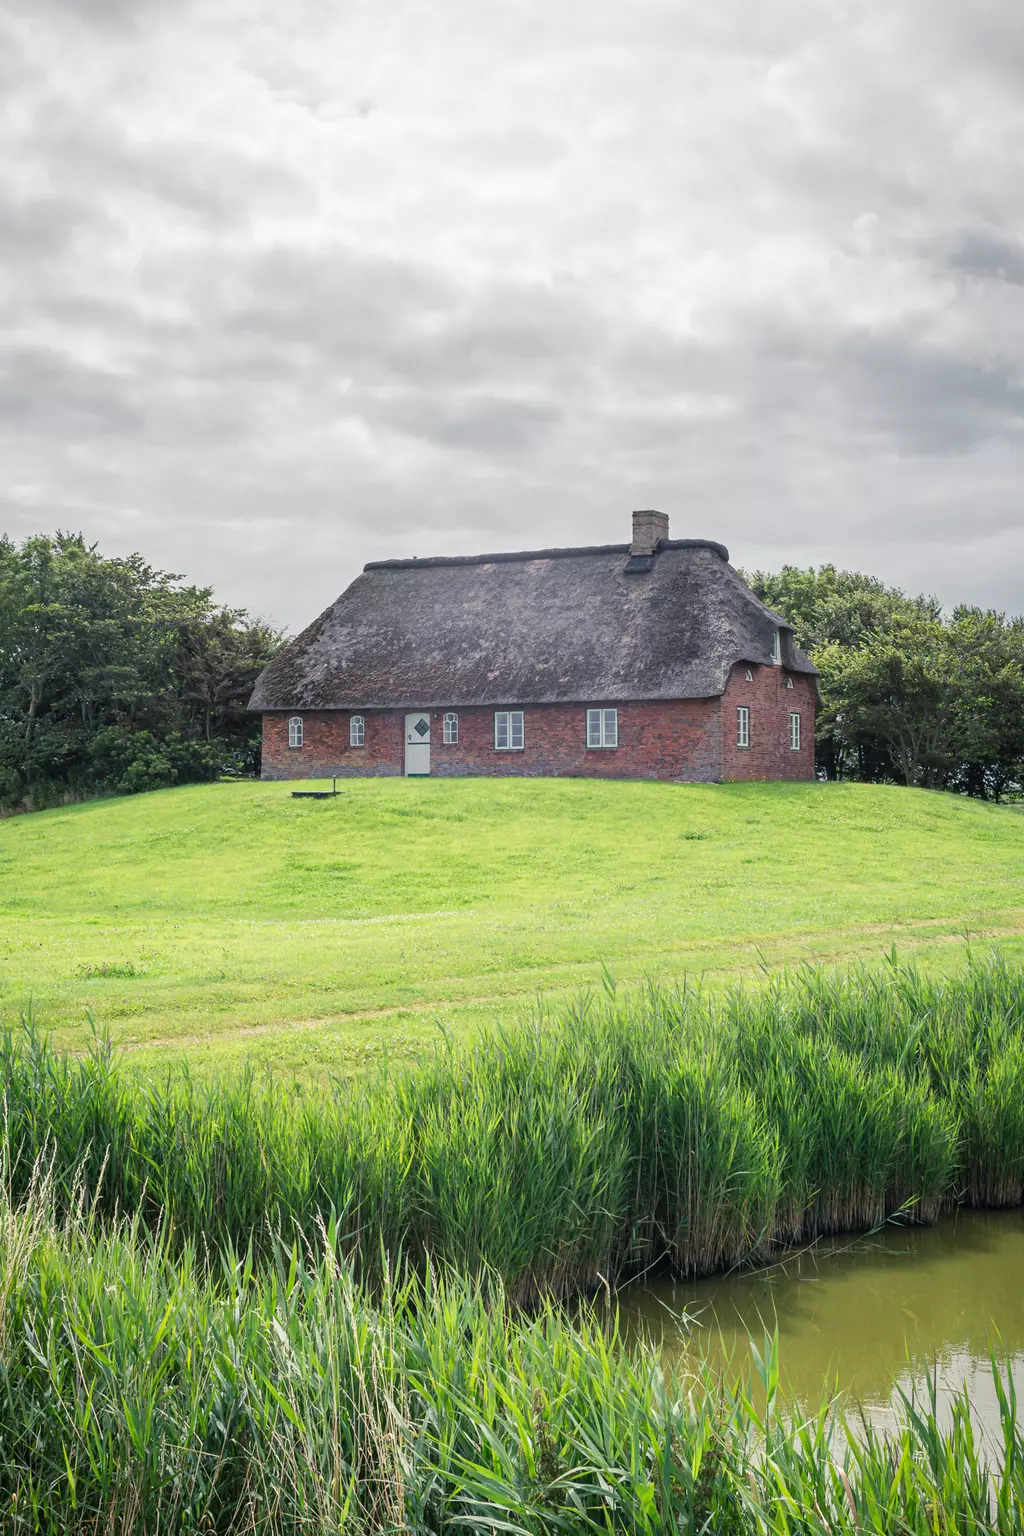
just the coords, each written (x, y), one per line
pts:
(229, 919)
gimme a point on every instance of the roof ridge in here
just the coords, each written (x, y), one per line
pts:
(425, 562)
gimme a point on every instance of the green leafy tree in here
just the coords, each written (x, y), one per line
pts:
(214, 661)
(89, 644)
(989, 660)
(845, 607)
(900, 694)
(907, 693)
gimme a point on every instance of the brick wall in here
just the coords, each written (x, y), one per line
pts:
(677, 739)
(691, 739)
(325, 750)
(770, 702)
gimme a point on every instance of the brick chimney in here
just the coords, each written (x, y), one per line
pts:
(648, 528)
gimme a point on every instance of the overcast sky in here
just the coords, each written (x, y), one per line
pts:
(288, 287)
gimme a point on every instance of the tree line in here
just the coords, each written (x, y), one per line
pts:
(910, 694)
(117, 677)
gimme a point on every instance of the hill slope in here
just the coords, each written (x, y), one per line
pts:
(228, 919)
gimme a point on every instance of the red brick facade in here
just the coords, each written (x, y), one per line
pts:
(771, 700)
(686, 739)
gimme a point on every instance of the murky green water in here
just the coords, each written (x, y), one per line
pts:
(862, 1314)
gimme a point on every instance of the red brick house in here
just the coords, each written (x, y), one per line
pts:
(647, 660)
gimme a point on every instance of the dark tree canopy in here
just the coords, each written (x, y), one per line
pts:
(910, 694)
(117, 677)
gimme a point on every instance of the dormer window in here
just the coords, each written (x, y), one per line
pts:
(777, 648)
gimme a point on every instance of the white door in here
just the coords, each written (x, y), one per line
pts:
(417, 744)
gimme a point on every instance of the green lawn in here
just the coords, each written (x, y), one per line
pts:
(230, 919)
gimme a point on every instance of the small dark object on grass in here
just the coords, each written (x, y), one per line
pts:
(317, 794)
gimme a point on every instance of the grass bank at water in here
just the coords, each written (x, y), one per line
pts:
(140, 1393)
(651, 1125)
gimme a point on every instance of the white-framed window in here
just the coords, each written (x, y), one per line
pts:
(789, 682)
(602, 727)
(357, 731)
(295, 731)
(508, 730)
(743, 726)
(794, 731)
(777, 648)
(451, 730)
(750, 676)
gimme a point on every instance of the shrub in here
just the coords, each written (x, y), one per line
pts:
(131, 762)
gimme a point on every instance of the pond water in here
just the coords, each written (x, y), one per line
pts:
(861, 1314)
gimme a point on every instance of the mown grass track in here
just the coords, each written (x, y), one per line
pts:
(225, 922)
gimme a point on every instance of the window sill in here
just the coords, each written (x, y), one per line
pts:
(508, 749)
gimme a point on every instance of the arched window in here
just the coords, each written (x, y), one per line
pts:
(750, 676)
(357, 731)
(451, 730)
(295, 731)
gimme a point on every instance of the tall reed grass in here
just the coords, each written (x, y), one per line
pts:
(658, 1124)
(142, 1391)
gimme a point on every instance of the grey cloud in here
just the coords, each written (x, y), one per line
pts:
(133, 14)
(986, 33)
(402, 344)
(986, 252)
(46, 391)
(39, 228)
(921, 401)
(894, 384)
(218, 186)
(757, 264)
(482, 424)
(345, 305)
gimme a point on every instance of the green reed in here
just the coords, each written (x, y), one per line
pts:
(143, 1390)
(651, 1125)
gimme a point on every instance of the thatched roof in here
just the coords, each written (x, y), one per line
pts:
(544, 626)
